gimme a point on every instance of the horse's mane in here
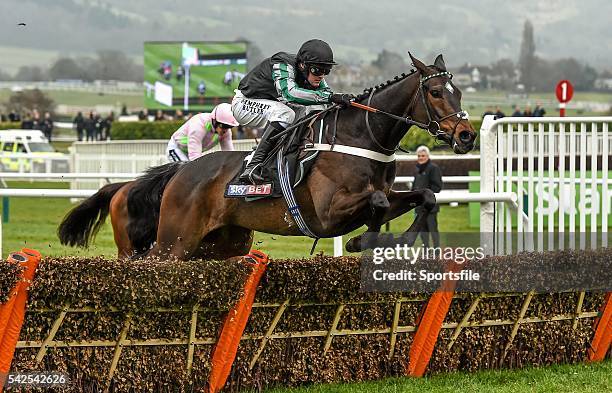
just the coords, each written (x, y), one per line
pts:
(397, 78)
(366, 92)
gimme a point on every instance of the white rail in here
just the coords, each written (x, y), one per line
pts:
(514, 155)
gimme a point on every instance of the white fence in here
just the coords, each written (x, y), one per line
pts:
(559, 169)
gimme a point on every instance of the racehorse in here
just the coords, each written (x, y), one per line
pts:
(180, 209)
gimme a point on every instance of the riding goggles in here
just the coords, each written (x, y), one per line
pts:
(318, 70)
(225, 126)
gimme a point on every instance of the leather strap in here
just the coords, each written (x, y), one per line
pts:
(350, 150)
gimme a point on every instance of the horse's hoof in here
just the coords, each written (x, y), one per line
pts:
(353, 245)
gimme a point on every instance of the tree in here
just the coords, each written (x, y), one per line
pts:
(527, 58)
(390, 63)
(28, 100)
(5, 76)
(30, 74)
(66, 68)
(115, 65)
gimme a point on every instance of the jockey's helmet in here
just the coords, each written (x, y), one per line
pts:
(223, 114)
(316, 52)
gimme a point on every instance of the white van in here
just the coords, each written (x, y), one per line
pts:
(19, 150)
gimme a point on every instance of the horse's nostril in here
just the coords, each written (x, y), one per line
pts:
(465, 136)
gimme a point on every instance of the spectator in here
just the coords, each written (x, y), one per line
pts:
(159, 116)
(143, 115)
(228, 78)
(167, 69)
(178, 115)
(488, 111)
(202, 88)
(528, 112)
(36, 121)
(179, 73)
(498, 113)
(79, 124)
(539, 111)
(27, 123)
(14, 117)
(98, 131)
(517, 112)
(91, 126)
(428, 175)
(124, 111)
(105, 126)
(46, 126)
(110, 119)
(3, 117)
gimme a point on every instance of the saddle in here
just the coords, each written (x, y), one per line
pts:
(287, 164)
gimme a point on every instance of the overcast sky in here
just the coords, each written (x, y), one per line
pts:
(476, 31)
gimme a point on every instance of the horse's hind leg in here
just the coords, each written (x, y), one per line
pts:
(119, 221)
(181, 228)
(225, 242)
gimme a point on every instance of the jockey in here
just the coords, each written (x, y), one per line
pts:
(263, 94)
(201, 132)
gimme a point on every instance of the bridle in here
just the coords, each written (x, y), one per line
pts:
(433, 124)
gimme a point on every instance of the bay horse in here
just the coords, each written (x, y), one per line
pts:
(180, 209)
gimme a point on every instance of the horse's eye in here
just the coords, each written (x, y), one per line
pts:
(436, 93)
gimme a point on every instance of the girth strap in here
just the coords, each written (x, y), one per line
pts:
(353, 151)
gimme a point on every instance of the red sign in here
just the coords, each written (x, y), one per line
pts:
(564, 91)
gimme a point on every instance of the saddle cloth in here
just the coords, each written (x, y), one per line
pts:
(289, 148)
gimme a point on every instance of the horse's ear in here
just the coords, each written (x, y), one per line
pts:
(439, 63)
(418, 64)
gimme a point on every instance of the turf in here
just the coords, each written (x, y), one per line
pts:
(559, 378)
(86, 99)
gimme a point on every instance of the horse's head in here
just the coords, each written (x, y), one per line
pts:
(437, 104)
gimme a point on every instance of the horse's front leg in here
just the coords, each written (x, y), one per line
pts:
(404, 201)
(400, 202)
(379, 204)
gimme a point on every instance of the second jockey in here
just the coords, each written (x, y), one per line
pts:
(201, 132)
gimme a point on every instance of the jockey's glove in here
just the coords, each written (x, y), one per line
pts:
(342, 99)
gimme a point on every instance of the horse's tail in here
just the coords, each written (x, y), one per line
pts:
(83, 222)
(144, 201)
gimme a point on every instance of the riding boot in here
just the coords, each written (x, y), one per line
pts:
(252, 171)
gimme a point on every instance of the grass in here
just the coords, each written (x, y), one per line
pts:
(86, 99)
(559, 378)
(33, 222)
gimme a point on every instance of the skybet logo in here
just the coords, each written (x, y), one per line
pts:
(249, 189)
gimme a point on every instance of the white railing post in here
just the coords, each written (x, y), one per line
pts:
(338, 246)
(488, 142)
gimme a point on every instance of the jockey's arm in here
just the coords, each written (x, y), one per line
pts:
(195, 135)
(284, 80)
